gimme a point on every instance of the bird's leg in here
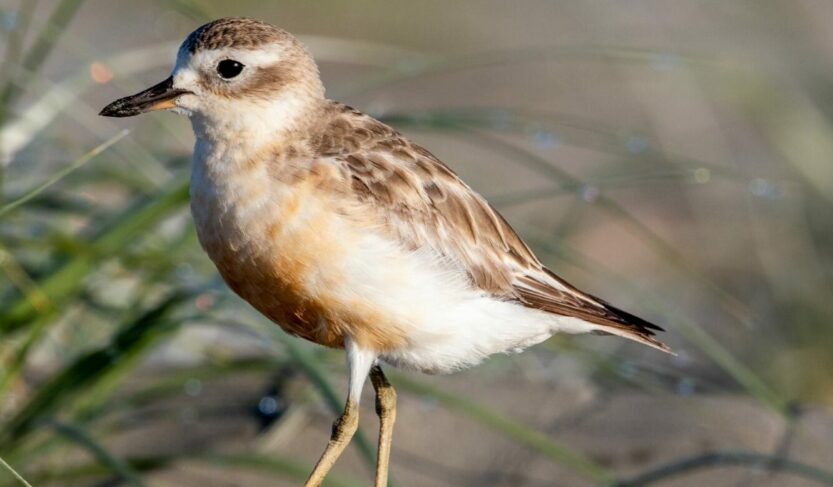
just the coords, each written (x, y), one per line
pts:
(359, 363)
(343, 429)
(386, 410)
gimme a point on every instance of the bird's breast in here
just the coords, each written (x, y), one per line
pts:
(283, 247)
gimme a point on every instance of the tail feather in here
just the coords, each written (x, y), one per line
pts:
(645, 339)
(634, 328)
(566, 300)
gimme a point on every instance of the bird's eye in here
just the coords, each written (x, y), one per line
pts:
(229, 68)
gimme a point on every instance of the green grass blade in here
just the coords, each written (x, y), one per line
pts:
(539, 442)
(712, 348)
(113, 463)
(743, 375)
(72, 380)
(722, 459)
(66, 281)
(14, 40)
(46, 41)
(131, 350)
(432, 66)
(192, 9)
(21, 280)
(14, 473)
(78, 163)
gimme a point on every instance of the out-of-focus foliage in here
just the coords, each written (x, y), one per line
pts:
(666, 159)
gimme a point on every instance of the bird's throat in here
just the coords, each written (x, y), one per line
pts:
(254, 124)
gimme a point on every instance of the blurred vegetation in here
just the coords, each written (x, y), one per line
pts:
(101, 270)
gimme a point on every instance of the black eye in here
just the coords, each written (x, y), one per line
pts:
(229, 68)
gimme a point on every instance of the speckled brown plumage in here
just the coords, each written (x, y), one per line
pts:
(236, 32)
(367, 171)
(424, 203)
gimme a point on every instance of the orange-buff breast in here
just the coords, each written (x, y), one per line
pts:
(288, 261)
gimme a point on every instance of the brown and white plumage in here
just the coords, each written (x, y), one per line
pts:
(423, 237)
(342, 231)
(423, 203)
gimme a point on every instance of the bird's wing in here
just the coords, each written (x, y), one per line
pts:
(423, 203)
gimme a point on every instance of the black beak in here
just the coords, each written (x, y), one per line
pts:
(158, 97)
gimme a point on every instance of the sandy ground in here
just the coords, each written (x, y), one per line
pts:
(626, 432)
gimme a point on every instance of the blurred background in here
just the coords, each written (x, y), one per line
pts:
(675, 158)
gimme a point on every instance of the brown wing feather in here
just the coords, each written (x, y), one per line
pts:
(425, 204)
(586, 307)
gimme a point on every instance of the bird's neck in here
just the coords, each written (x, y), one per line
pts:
(248, 127)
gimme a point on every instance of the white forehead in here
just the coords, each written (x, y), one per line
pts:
(189, 65)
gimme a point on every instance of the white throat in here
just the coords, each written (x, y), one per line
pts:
(253, 123)
(227, 139)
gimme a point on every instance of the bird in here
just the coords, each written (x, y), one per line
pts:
(344, 232)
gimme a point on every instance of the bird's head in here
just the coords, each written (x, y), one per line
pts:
(233, 75)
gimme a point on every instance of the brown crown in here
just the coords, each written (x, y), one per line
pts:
(237, 32)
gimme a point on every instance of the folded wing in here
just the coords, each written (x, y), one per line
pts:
(423, 203)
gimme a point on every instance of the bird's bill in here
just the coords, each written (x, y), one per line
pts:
(161, 96)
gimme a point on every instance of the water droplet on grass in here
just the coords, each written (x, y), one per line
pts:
(268, 406)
